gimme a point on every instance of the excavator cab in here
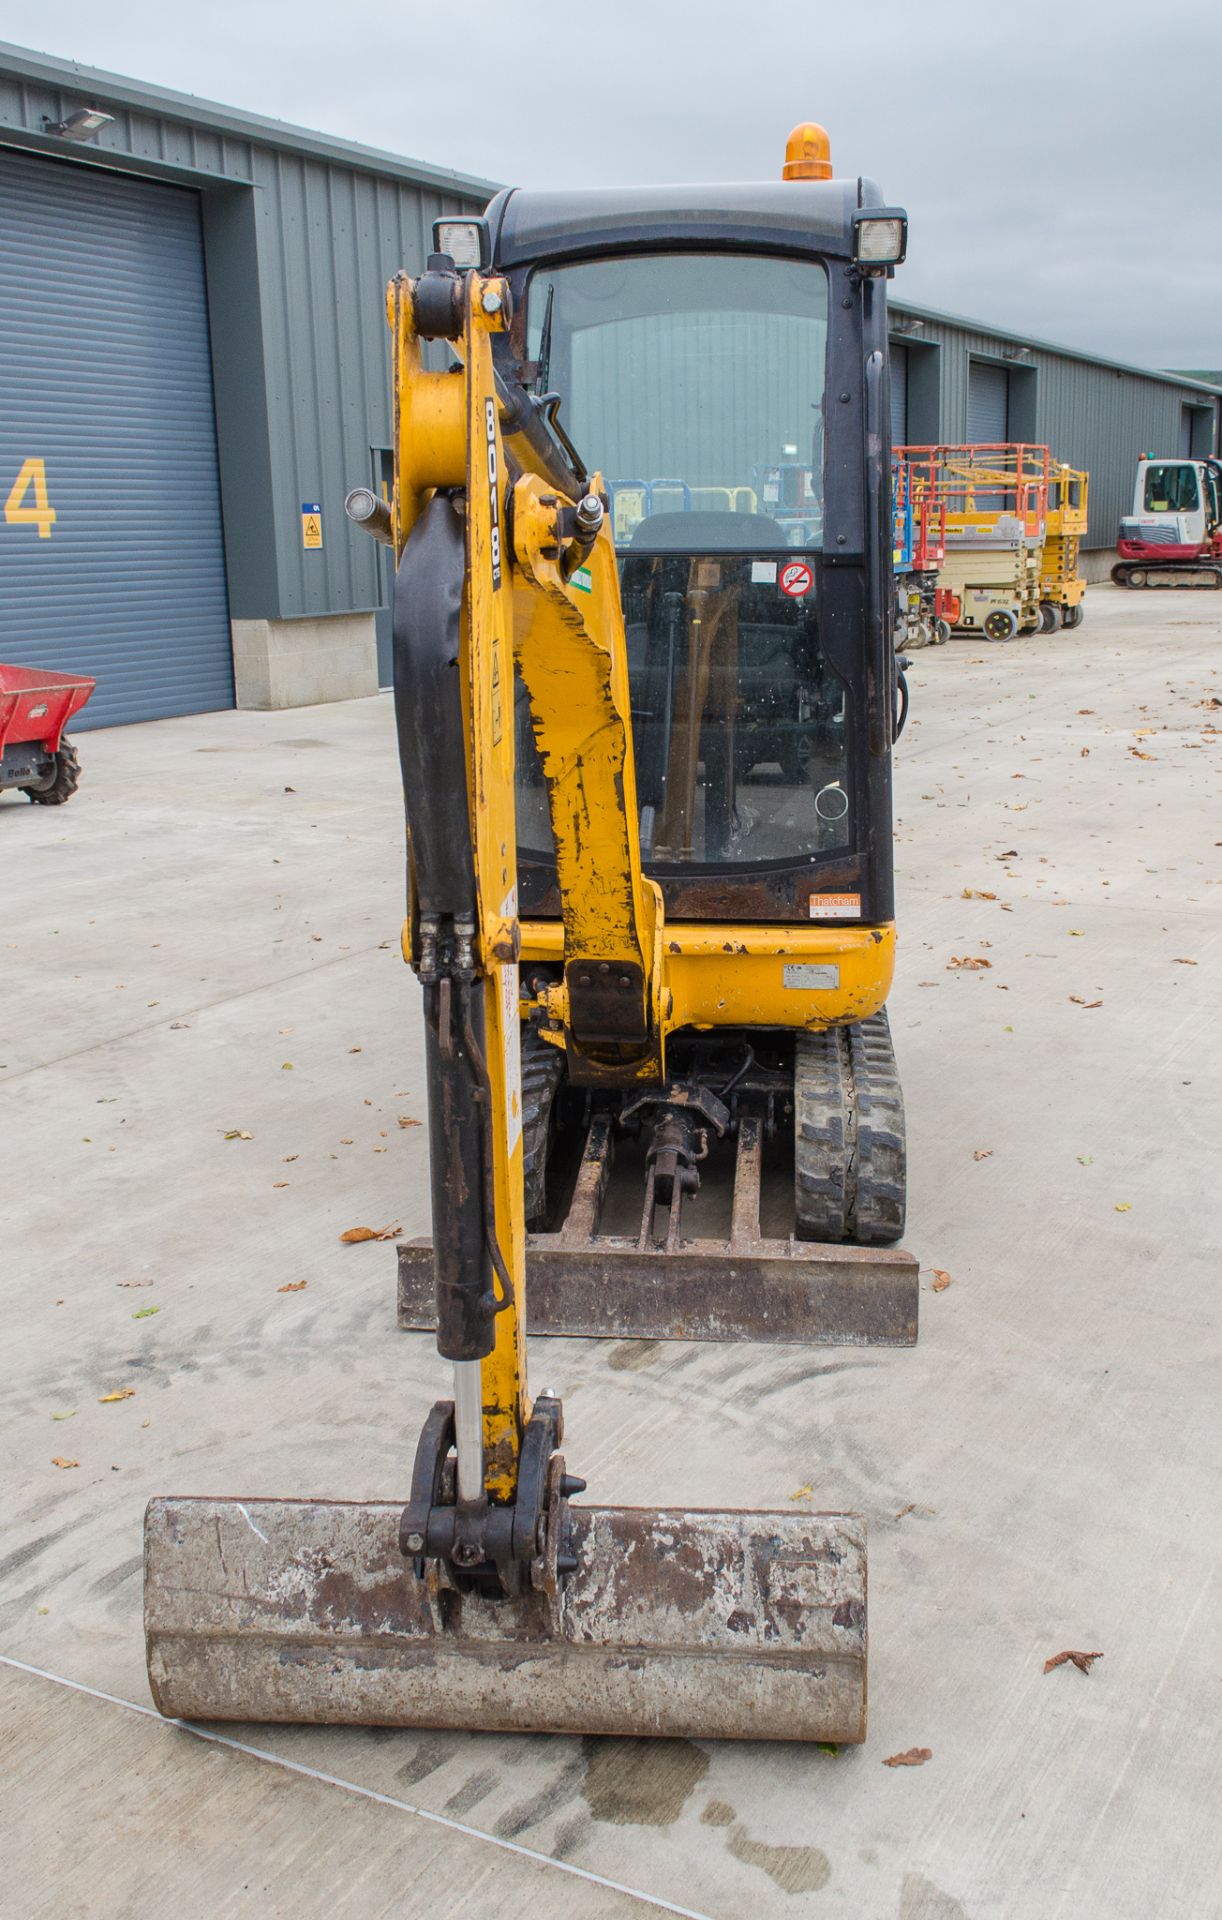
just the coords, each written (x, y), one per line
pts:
(697, 348)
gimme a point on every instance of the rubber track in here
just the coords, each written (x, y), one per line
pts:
(849, 1153)
(542, 1072)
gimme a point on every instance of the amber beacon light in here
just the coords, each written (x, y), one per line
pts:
(808, 153)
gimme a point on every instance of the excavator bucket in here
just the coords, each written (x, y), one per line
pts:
(703, 1625)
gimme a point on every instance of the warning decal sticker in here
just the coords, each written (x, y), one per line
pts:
(835, 906)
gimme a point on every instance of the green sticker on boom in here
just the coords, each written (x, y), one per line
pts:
(580, 578)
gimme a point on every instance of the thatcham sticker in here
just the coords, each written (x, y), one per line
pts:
(835, 906)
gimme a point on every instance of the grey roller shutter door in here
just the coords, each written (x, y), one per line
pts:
(988, 403)
(899, 396)
(106, 378)
(1185, 447)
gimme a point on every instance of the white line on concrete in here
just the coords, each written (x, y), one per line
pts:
(363, 1793)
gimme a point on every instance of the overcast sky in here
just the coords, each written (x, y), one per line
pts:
(1060, 162)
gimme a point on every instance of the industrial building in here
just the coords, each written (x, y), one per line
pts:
(194, 361)
(194, 366)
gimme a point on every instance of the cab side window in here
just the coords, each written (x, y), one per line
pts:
(1172, 488)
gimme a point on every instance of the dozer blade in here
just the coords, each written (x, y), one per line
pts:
(583, 1281)
(703, 1625)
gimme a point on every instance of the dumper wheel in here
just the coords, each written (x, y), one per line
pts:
(62, 783)
(850, 1179)
(542, 1072)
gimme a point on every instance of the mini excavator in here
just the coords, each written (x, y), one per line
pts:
(645, 721)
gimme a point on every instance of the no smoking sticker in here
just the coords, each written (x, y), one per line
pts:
(796, 579)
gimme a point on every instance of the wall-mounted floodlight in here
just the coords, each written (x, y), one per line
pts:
(880, 237)
(85, 124)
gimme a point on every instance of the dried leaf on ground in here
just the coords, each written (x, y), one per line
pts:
(802, 1493)
(69, 1415)
(1139, 755)
(1085, 753)
(145, 1313)
(941, 1279)
(293, 1286)
(1077, 933)
(1179, 961)
(977, 893)
(913, 1757)
(1082, 1661)
(133, 1283)
(120, 1393)
(968, 961)
(1086, 1159)
(405, 1120)
(237, 1133)
(58, 1460)
(1123, 1206)
(983, 1153)
(1080, 1001)
(356, 1234)
(286, 1066)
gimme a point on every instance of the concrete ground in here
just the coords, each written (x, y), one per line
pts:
(209, 1043)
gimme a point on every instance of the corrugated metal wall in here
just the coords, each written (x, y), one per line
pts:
(1091, 414)
(329, 240)
(300, 241)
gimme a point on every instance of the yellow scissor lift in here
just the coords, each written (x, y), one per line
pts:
(1062, 588)
(996, 501)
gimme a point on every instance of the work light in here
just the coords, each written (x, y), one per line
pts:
(466, 241)
(880, 237)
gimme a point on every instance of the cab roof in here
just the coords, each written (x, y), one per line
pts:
(793, 216)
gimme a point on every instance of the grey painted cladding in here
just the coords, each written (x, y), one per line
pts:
(301, 234)
(1095, 414)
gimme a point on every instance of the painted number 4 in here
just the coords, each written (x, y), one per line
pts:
(18, 512)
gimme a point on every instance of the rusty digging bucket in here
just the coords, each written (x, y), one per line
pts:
(706, 1625)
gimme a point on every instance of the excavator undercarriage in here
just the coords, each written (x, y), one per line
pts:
(758, 1206)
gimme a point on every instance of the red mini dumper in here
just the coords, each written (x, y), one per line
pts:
(35, 707)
